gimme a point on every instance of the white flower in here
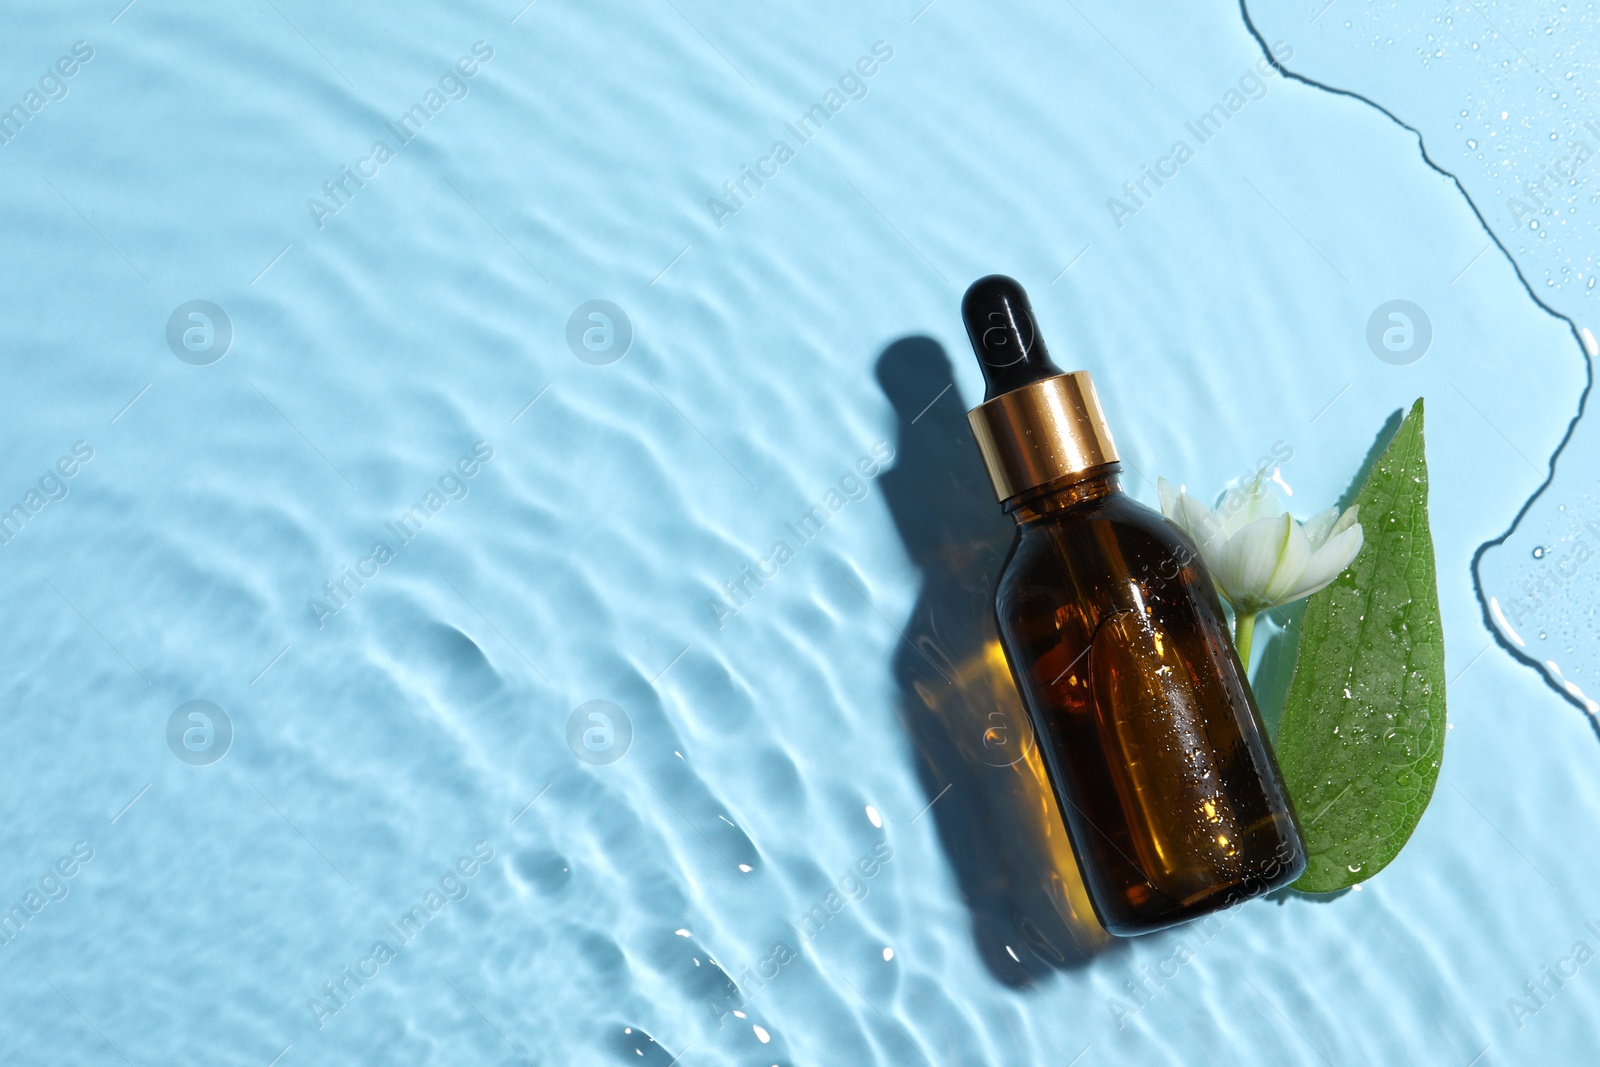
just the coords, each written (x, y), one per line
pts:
(1257, 554)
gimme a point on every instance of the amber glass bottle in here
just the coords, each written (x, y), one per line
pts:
(1119, 647)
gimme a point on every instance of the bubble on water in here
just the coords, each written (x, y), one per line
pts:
(1538, 552)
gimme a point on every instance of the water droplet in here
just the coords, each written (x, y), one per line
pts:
(1538, 552)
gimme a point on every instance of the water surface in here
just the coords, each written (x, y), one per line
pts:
(791, 346)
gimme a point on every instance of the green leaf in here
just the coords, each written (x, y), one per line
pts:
(1363, 726)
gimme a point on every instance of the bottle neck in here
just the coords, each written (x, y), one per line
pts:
(1055, 497)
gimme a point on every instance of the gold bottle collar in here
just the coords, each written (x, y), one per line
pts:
(1045, 430)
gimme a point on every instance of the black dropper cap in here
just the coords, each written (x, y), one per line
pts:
(1004, 335)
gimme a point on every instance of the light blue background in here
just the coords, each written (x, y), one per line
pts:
(770, 353)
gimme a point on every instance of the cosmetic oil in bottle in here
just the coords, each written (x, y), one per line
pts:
(1118, 644)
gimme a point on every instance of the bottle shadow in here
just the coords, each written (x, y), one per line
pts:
(982, 772)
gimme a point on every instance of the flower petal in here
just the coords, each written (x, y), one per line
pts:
(1319, 526)
(1257, 499)
(1293, 556)
(1196, 520)
(1169, 497)
(1328, 562)
(1261, 562)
